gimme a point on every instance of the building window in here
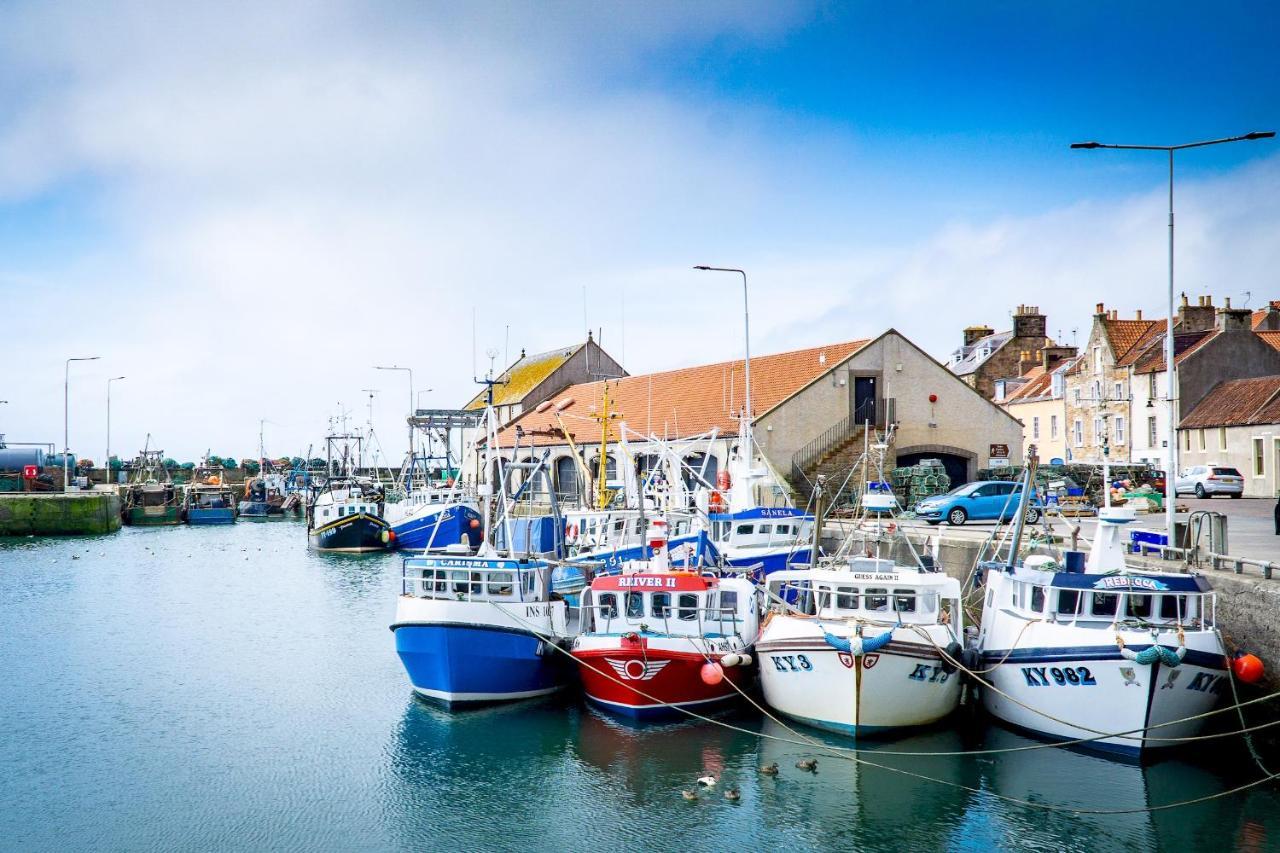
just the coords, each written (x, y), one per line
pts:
(1053, 426)
(1151, 432)
(1120, 429)
(1097, 359)
(1259, 459)
(1097, 391)
(1098, 435)
(1202, 442)
(1059, 385)
(1119, 391)
(1035, 428)
(1222, 438)
(999, 390)
(1187, 433)
(1078, 428)
(1151, 386)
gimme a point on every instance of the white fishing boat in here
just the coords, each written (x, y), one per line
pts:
(859, 644)
(1107, 649)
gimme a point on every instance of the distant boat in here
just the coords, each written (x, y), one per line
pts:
(208, 499)
(346, 512)
(150, 499)
(429, 509)
(264, 496)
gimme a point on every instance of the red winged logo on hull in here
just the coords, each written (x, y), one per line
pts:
(637, 670)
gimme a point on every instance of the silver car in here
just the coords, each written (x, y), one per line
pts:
(1209, 480)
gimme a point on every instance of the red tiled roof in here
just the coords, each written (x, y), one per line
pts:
(1151, 359)
(1123, 334)
(1240, 402)
(1256, 318)
(690, 400)
(1036, 386)
(1272, 339)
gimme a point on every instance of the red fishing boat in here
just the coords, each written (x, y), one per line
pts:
(655, 640)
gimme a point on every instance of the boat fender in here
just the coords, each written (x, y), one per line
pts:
(858, 646)
(1167, 656)
(730, 659)
(745, 660)
(954, 656)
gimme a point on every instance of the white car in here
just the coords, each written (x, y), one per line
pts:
(1205, 481)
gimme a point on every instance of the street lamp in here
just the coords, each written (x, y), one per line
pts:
(1172, 456)
(746, 325)
(420, 393)
(107, 463)
(66, 419)
(408, 370)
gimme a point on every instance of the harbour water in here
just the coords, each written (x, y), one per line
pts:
(225, 688)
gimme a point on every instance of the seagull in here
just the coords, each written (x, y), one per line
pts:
(707, 781)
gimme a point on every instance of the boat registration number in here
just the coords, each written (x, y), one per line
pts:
(1054, 676)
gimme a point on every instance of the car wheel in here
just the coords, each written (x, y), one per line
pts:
(1033, 515)
(1237, 495)
(1199, 490)
(957, 517)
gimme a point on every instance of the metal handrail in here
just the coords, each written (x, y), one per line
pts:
(842, 430)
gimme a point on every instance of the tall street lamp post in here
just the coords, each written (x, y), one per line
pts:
(1171, 457)
(107, 463)
(66, 419)
(746, 326)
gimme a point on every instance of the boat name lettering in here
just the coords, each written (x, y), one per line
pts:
(931, 674)
(1054, 676)
(1129, 583)
(469, 564)
(792, 663)
(1207, 683)
(534, 610)
(776, 513)
(874, 576)
(633, 581)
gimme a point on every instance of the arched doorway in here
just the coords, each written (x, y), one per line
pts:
(958, 462)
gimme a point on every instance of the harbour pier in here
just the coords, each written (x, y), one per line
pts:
(83, 513)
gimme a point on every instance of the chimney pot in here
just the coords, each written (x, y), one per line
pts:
(1100, 309)
(1184, 300)
(1139, 315)
(1227, 304)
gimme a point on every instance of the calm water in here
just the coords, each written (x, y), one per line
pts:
(220, 688)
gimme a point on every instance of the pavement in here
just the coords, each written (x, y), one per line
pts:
(1250, 525)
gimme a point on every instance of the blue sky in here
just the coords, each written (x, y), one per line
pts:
(248, 185)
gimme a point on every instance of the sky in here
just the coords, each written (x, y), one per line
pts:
(243, 207)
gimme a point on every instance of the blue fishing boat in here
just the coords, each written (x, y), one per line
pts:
(208, 498)
(430, 509)
(483, 627)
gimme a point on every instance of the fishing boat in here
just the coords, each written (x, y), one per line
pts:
(1104, 649)
(345, 513)
(860, 644)
(430, 509)
(655, 639)
(264, 496)
(478, 628)
(208, 499)
(151, 499)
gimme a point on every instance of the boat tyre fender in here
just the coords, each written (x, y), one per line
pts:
(953, 658)
(858, 646)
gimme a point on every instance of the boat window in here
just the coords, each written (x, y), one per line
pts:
(459, 582)
(682, 527)
(1068, 601)
(728, 600)
(341, 511)
(1175, 607)
(609, 605)
(1104, 604)
(765, 528)
(745, 529)
(824, 598)
(1037, 599)
(499, 583)
(877, 599)
(847, 598)
(477, 582)
(904, 600)
(326, 513)
(688, 606)
(635, 605)
(530, 583)
(639, 525)
(784, 528)
(660, 606)
(1137, 606)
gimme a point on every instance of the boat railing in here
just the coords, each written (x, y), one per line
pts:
(608, 612)
(448, 583)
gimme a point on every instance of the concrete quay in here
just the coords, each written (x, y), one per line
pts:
(84, 513)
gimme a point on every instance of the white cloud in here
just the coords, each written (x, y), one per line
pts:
(290, 194)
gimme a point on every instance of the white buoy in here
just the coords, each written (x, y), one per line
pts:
(730, 659)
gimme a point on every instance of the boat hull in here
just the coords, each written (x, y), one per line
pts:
(901, 685)
(221, 515)
(438, 528)
(152, 516)
(356, 534)
(459, 664)
(1098, 690)
(643, 682)
(260, 509)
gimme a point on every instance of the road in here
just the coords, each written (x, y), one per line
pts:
(1250, 525)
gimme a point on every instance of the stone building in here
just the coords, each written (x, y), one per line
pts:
(1237, 424)
(810, 408)
(987, 356)
(1038, 400)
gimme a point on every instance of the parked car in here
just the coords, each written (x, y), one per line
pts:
(1209, 480)
(982, 501)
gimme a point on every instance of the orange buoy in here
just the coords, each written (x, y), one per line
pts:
(1248, 668)
(475, 522)
(712, 673)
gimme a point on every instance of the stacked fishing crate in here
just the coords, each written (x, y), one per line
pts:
(920, 481)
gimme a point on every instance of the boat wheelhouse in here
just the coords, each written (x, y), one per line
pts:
(346, 512)
(1123, 657)
(151, 499)
(862, 647)
(429, 509)
(763, 540)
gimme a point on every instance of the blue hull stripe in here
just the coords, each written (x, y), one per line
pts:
(1067, 654)
(845, 728)
(469, 660)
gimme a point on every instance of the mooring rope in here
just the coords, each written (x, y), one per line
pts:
(843, 755)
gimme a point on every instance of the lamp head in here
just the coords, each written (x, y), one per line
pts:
(1086, 145)
(1260, 134)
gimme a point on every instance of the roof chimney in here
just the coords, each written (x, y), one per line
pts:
(1100, 310)
(1138, 316)
(1196, 318)
(1234, 319)
(1268, 319)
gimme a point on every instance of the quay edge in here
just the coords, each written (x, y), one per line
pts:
(60, 514)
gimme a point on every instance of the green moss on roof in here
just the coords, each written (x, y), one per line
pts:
(523, 376)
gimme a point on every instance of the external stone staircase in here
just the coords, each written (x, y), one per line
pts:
(831, 456)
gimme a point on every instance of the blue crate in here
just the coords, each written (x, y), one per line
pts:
(1146, 541)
